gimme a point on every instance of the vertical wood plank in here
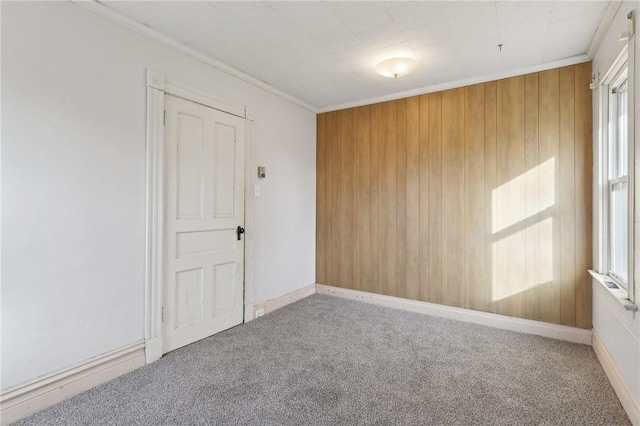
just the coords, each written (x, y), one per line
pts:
(363, 199)
(401, 200)
(347, 197)
(412, 230)
(453, 197)
(328, 196)
(388, 192)
(321, 225)
(532, 212)
(490, 183)
(510, 204)
(548, 231)
(332, 125)
(375, 285)
(474, 193)
(424, 199)
(583, 202)
(567, 201)
(435, 197)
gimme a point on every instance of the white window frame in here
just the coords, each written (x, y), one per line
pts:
(617, 79)
(607, 82)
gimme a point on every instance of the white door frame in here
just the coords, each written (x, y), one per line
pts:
(157, 87)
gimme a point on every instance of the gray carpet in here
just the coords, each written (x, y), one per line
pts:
(328, 361)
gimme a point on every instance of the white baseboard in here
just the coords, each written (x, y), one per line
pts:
(248, 312)
(153, 350)
(284, 300)
(619, 384)
(554, 331)
(35, 395)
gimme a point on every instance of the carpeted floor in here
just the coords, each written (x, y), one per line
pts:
(329, 361)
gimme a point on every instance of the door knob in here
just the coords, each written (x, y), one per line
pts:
(240, 231)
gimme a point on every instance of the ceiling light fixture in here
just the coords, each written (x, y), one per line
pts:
(396, 67)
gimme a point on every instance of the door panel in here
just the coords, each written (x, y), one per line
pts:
(204, 203)
(223, 149)
(188, 297)
(202, 242)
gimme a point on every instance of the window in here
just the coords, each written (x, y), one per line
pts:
(615, 165)
(618, 179)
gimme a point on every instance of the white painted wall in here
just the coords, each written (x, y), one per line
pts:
(619, 329)
(73, 184)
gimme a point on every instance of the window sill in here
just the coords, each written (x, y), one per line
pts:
(619, 294)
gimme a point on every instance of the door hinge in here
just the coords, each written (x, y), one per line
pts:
(165, 118)
(162, 314)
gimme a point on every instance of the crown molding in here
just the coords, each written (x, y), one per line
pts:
(603, 26)
(100, 9)
(459, 83)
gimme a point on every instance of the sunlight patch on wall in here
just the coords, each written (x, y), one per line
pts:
(514, 273)
(522, 225)
(507, 200)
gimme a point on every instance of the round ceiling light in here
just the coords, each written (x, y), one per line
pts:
(396, 67)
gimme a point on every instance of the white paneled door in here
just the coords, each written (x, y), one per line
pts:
(204, 218)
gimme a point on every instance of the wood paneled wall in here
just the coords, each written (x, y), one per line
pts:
(478, 197)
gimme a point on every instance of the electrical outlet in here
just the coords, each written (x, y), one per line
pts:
(259, 312)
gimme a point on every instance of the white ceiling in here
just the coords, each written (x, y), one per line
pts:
(324, 53)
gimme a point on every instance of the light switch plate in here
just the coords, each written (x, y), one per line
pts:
(256, 191)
